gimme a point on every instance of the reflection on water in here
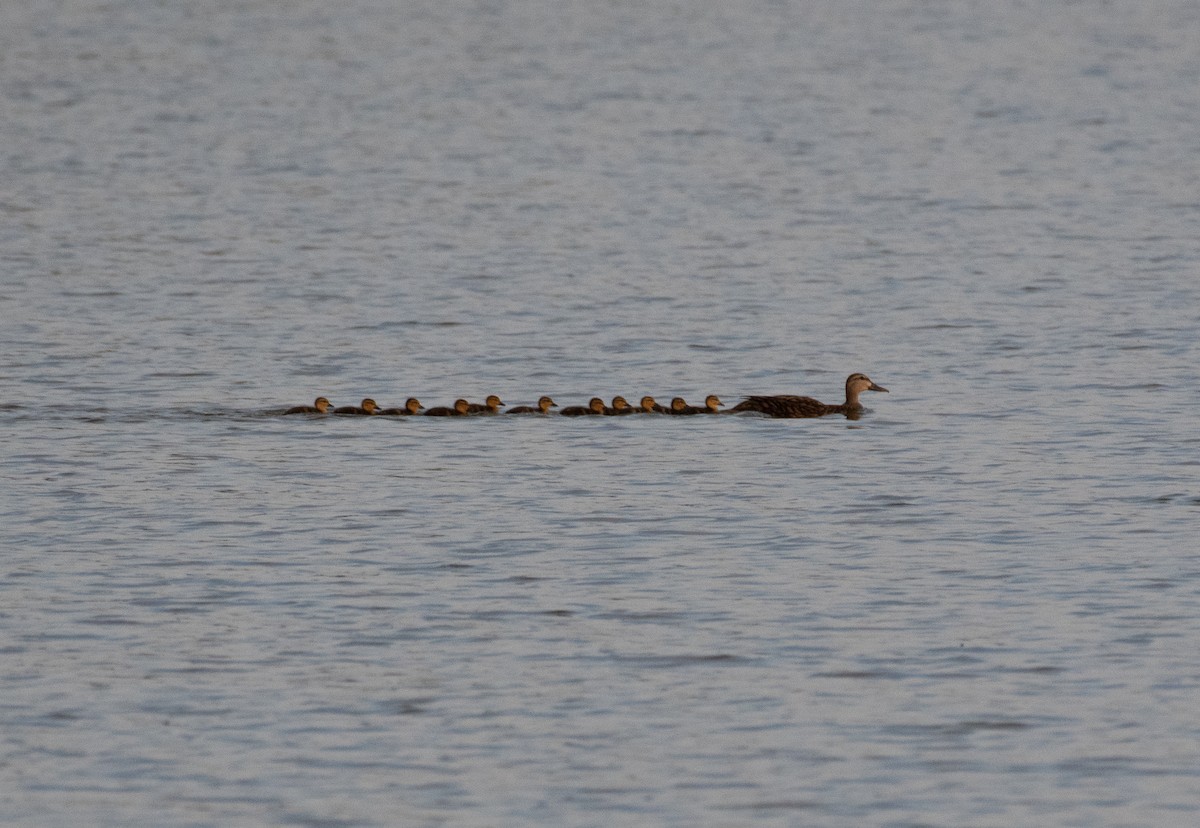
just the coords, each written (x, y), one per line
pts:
(976, 602)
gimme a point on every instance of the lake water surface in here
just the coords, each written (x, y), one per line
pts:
(978, 605)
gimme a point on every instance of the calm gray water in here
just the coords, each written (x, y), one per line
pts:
(979, 605)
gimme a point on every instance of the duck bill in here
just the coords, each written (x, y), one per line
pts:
(875, 387)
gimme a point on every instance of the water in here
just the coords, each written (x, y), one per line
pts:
(978, 605)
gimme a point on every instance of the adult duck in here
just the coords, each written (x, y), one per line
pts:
(787, 405)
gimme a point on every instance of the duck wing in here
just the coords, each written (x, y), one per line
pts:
(784, 406)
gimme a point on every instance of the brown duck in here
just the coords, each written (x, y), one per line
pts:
(620, 406)
(649, 406)
(368, 406)
(319, 406)
(491, 406)
(459, 409)
(787, 405)
(544, 404)
(595, 406)
(411, 406)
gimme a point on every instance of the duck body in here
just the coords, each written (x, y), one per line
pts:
(791, 406)
(544, 404)
(459, 409)
(785, 405)
(595, 406)
(367, 408)
(491, 406)
(411, 406)
(320, 406)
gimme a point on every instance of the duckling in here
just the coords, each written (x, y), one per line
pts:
(411, 406)
(319, 406)
(619, 407)
(459, 410)
(544, 404)
(368, 406)
(595, 406)
(787, 405)
(649, 406)
(492, 406)
(679, 406)
(711, 403)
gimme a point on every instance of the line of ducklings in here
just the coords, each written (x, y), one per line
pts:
(493, 404)
(779, 406)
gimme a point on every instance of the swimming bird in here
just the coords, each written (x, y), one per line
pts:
(595, 406)
(368, 406)
(711, 403)
(458, 410)
(544, 404)
(411, 406)
(492, 406)
(620, 406)
(787, 405)
(649, 406)
(319, 406)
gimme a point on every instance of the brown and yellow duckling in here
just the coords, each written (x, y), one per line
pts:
(411, 406)
(320, 406)
(459, 409)
(369, 406)
(544, 404)
(649, 406)
(595, 406)
(620, 406)
(491, 406)
(787, 405)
